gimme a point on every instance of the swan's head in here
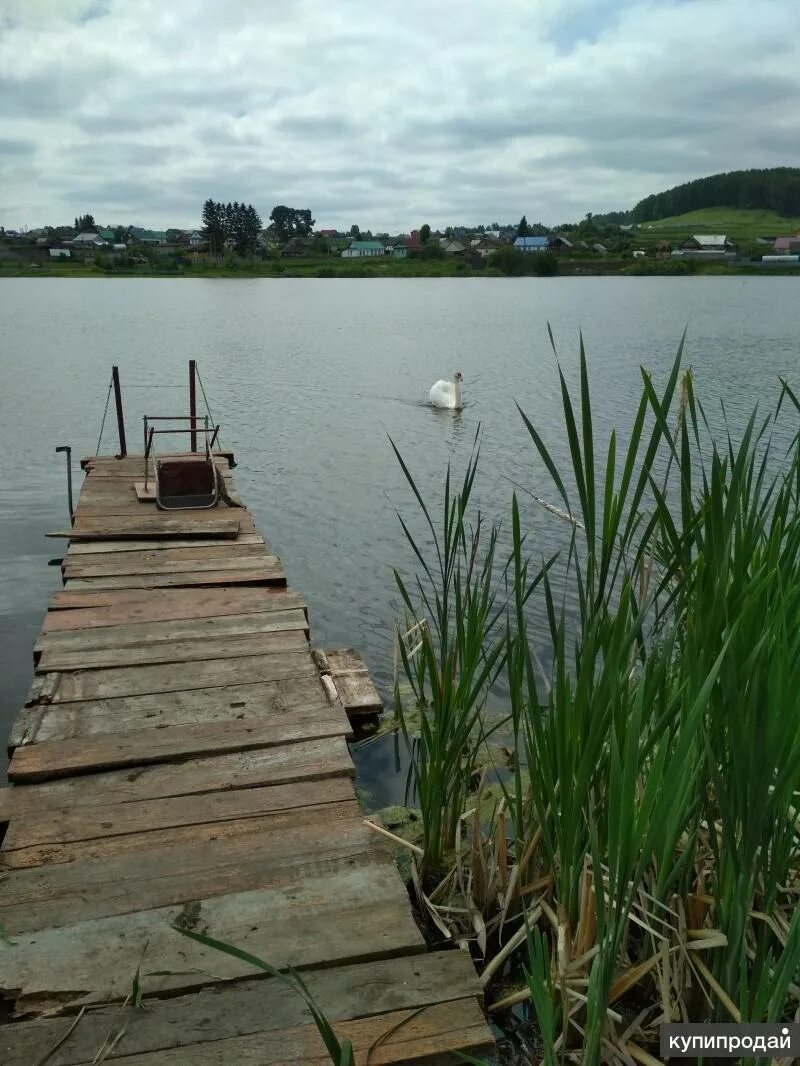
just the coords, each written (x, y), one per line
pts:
(459, 376)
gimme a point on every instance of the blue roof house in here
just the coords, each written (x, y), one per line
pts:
(532, 244)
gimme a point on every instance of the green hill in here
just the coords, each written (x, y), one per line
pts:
(776, 189)
(740, 224)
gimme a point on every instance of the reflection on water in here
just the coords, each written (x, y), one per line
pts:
(310, 378)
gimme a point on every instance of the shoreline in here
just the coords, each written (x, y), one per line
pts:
(572, 270)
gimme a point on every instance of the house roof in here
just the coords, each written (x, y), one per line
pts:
(784, 244)
(366, 246)
(148, 234)
(107, 234)
(710, 238)
(531, 242)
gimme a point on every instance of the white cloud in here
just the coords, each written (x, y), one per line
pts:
(385, 114)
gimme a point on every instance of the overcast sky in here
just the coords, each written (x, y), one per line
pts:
(385, 113)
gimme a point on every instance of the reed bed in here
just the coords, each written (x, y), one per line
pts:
(641, 853)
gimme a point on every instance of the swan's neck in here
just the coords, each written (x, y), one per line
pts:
(457, 386)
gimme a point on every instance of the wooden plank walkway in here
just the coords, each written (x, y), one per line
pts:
(181, 761)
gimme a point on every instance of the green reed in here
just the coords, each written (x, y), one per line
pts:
(655, 785)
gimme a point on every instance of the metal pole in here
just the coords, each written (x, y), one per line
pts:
(193, 403)
(123, 449)
(66, 448)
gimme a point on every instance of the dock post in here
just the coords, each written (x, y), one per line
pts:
(192, 404)
(68, 450)
(123, 448)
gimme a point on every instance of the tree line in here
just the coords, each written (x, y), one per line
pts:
(239, 223)
(775, 189)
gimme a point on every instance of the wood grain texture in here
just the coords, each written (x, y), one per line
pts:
(122, 875)
(78, 610)
(137, 633)
(270, 573)
(38, 831)
(101, 547)
(50, 759)
(212, 647)
(311, 760)
(333, 916)
(291, 698)
(214, 673)
(136, 526)
(251, 1007)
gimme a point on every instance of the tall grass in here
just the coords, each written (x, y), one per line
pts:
(460, 656)
(649, 826)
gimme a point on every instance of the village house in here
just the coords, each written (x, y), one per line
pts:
(148, 236)
(788, 245)
(453, 247)
(88, 239)
(360, 249)
(707, 246)
(484, 246)
(532, 245)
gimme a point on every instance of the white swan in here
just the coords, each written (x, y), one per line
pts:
(447, 393)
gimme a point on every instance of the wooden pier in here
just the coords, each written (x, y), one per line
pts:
(181, 762)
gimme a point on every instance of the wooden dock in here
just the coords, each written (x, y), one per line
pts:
(181, 762)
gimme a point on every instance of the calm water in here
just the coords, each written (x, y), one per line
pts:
(309, 378)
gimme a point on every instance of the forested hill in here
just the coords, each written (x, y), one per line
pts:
(777, 189)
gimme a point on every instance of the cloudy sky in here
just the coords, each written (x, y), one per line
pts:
(385, 113)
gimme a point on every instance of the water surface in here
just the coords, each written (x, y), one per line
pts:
(310, 378)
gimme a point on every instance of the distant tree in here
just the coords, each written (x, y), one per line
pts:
(242, 226)
(523, 229)
(509, 260)
(424, 233)
(545, 265)
(84, 222)
(355, 232)
(291, 222)
(215, 226)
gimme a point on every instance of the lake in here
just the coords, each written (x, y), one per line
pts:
(310, 378)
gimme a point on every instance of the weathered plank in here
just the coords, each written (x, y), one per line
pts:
(333, 916)
(288, 699)
(250, 1007)
(357, 693)
(343, 660)
(134, 527)
(216, 673)
(208, 629)
(212, 648)
(308, 760)
(177, 865)
(61, 758)
(249, 835)
(83, 548)
(36, 831)
(106, 607)
(261, 574)
(432, 1035)
(159, 552)
(135, 462)
(126, 564)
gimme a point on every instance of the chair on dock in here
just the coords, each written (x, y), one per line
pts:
(184, 481)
